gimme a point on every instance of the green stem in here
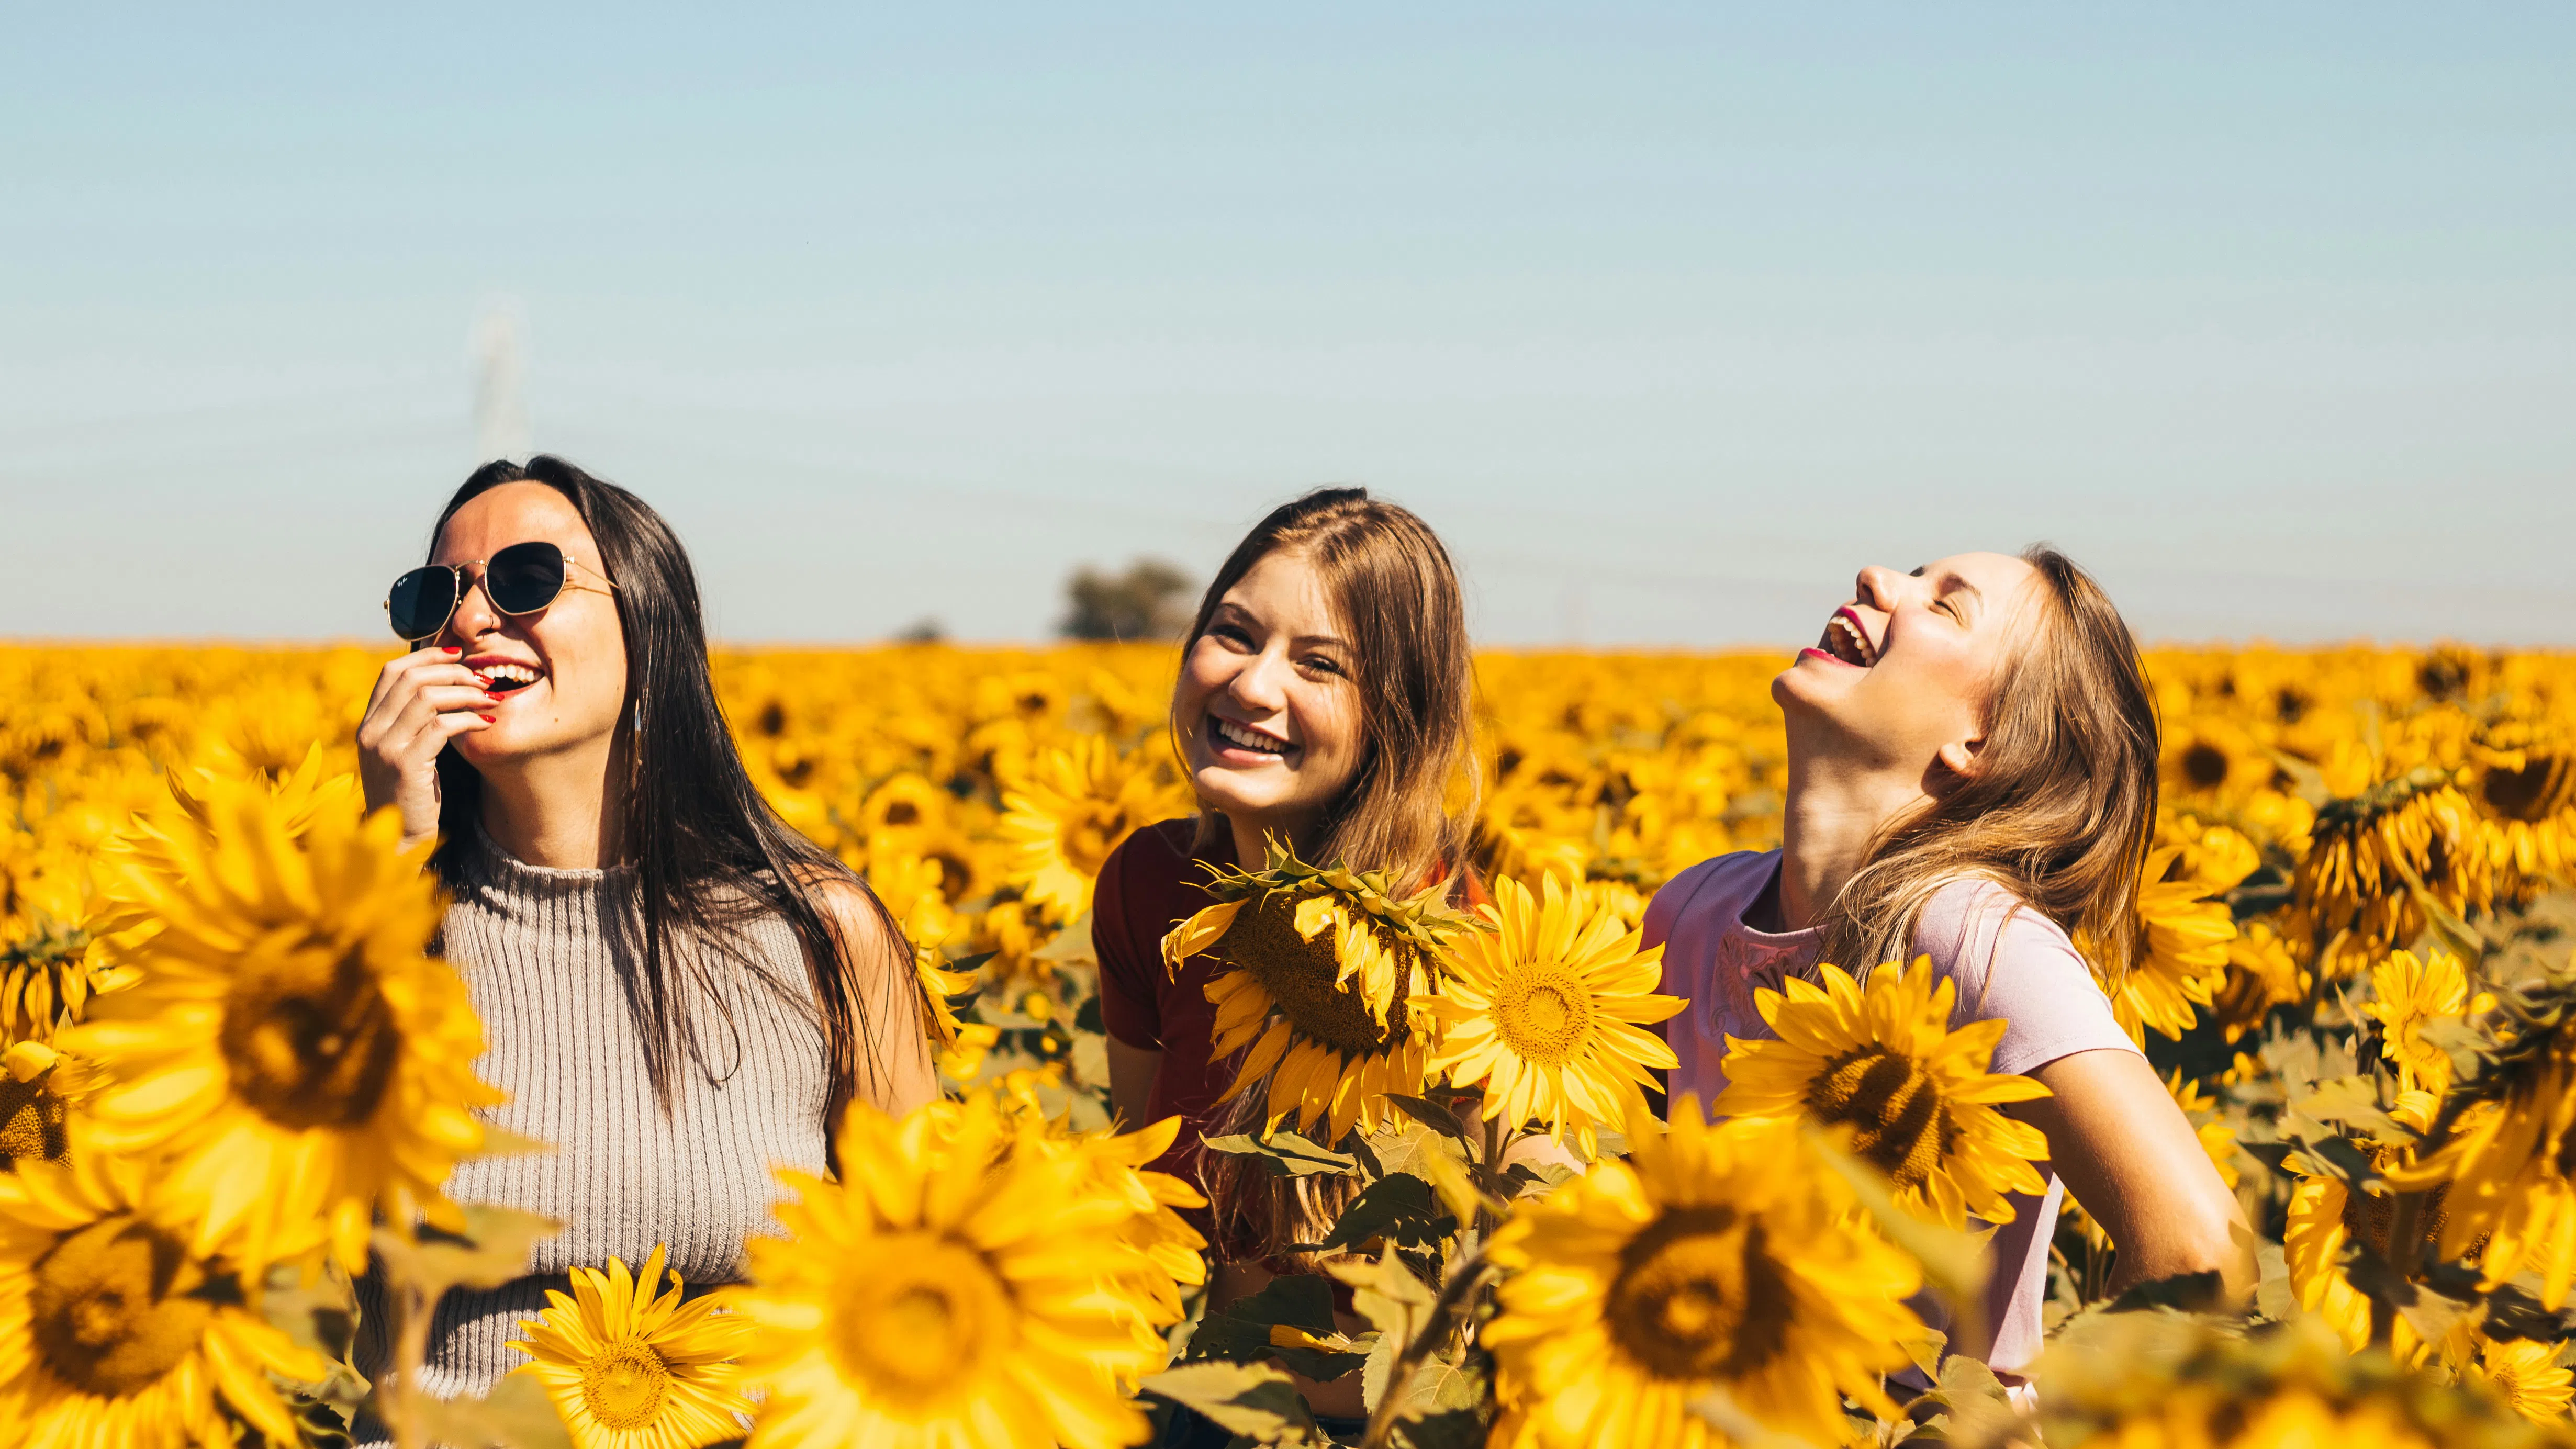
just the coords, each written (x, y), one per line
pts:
(1464, 1279)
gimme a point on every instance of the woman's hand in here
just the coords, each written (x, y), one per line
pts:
(421, 701)
(2130, 1157)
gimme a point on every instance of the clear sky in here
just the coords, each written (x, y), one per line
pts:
(1667, 318)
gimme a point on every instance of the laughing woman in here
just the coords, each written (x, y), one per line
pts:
(1972, 776)
(1323, 701)
(679, 992)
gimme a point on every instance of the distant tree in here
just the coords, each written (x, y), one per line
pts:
(924, 630)
(1148, 601)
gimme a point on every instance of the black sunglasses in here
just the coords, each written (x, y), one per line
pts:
(520, 579)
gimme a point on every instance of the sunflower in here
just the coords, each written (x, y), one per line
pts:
(955, 1290)
(1883, 1065)
(1718, 1257)
(2389, 831)
(2409, 994)
(2526, 1374)
(1328, 973)
(1545, 1010)
(2261, 974)
(2326, 1216)
(2527, 784)
(2178, 946)
(289, 1044)
(1075, 807)
(37, 1095)
(2509, 1202)
(119, 1329)
(53, 957)
(628, 1368)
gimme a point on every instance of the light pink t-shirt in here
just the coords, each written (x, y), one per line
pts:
(2009, 961)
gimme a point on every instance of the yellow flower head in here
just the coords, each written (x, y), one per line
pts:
(2527, 1375)
(1328, 972)
(289, 1044)
(1721, 1257)
(958, 1288)
(2327, 1216)
(1545, 1009)
(1883, 1065)
(2409, 994)
(118, 1328)
(1079, 804)
(632, 1368)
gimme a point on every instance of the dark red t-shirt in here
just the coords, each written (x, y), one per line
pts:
(1150, 884)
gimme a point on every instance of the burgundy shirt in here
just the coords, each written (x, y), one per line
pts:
(1150, 884)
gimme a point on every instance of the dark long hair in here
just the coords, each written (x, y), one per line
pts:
(709, 854)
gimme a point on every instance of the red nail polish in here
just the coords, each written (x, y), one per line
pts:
(488, 694)
(452, 649)
(488, 719)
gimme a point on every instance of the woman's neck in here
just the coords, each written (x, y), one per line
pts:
(1252, 836)
(1832, 815)
(560, 812)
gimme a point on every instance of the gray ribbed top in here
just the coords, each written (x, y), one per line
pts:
(550, 958)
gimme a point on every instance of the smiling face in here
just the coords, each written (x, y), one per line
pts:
(560, 671)
(1267, 707)
(1903, 673)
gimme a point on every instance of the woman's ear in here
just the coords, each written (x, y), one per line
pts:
(1955, 764)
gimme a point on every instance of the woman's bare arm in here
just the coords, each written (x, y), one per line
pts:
(1131, 1082)
(2130, 1157)
(897, 1074)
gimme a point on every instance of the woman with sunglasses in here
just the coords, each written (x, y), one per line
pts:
(680, 993)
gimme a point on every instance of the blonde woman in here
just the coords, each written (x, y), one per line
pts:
(1972, 776)
(1324, 700)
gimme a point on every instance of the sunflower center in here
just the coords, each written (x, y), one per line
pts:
(2204, 765)
(1298, 974)
(117, 1304)
(1091, 831)
(624, 1386)
(31, 1122)
(1544, 1014)
(923, 1320)
(310, 1039)
(2533, 793)
(1697, 1297)
(1894, 1108)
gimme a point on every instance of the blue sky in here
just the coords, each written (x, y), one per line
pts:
(1668, 318)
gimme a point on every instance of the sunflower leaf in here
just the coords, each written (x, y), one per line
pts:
(1399, 1207)
(1430, 1114)
(1285, 1153)
(515, 1415)
(492, 1250)
(1254, 1400)
(1245, 1331)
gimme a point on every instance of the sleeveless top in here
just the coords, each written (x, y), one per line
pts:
(552, 959)
(2008, 961)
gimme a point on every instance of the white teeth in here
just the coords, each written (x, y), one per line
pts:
(1853, 641)
(1234, 734)
(516, 673)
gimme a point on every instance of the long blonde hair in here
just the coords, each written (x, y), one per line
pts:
(1395, 593)
(2061, 810)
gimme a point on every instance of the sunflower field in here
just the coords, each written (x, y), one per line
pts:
(237, 1079)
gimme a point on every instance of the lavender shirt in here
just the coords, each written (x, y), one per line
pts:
(2009, 962)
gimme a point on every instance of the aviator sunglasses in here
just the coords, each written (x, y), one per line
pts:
(520, 579)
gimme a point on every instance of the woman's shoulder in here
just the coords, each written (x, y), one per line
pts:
(1154, 859)
(1715, 890)
(2011, 962)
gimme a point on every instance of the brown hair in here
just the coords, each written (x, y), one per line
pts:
(2061, 810)
(1395, 593)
